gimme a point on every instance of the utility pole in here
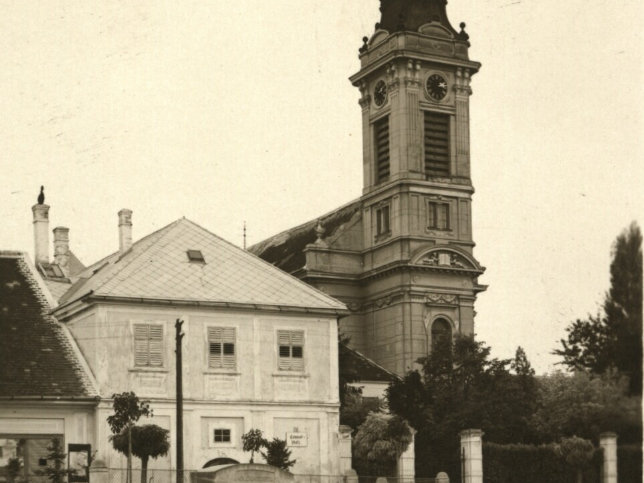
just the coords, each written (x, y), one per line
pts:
(179, 336)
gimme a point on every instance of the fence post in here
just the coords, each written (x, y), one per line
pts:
(406, 464)
(350, 476)
(472, 454)
(608, 442)
(344, 443)
(98, 472)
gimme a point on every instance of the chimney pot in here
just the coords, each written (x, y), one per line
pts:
(61, 247)
(41, 232)
(125, 230)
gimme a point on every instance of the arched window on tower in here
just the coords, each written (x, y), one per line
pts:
(441, 333)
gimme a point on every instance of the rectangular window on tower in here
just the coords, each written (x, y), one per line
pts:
(382, 220)
(381, 148)
(436, 144)
(148, 345)
(438, 216)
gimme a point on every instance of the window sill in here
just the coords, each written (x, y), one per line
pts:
(148, 369)
(225, 372)
(302, 375)
(383, 236)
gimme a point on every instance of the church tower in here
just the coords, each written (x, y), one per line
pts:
(401, 256)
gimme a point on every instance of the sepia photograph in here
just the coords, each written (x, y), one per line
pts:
(321, 241)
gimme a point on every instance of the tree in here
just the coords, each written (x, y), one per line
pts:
(462, 387)
(378, 444)
(577, 452)
(584, 405)
(253, 441)
(147, 441)
(613, 339)
(277, 454)
(128, 409)
(56, 471)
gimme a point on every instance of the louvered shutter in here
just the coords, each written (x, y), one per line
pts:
(221, 347)
(156, 345)
(297, 351)
(284, 343)
(436, 144)
(381, 135)
(141, 344)
(291, 350)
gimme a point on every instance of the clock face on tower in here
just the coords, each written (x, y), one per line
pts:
(436, 87)
(380, 93)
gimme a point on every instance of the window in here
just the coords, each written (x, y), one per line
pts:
(196, 256)
(221, 435)
(382, 220)
(148, 345)
(438, 216)
(441, 332)
(291, 350)
(381, 146)
(436, 144)
(221, 347)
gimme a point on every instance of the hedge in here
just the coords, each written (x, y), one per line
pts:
(629, 464)
(522, 463)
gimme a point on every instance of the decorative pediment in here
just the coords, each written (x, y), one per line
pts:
(446, 258)
(378, 37)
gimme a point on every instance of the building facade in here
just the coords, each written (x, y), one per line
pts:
(401, 256)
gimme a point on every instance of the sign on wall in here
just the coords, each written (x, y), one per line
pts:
(297, 439)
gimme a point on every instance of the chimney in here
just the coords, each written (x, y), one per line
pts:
(61, 247)
(41, 232)
(125, 230)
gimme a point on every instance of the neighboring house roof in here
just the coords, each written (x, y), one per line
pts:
(357, 367)
(286, 250)
(157, 268)
(57, 278)
(37, 355)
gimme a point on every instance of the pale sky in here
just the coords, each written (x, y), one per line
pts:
(241, 110)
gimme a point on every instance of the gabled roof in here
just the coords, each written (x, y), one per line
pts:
(286, 250)
(37, 355)
(157, 268)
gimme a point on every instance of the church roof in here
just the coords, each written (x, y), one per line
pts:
(159, 268)
(358, 367)
(37, 355)
(409, 15)
(286, 250)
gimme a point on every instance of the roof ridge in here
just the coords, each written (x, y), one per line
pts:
(269, 266)
(370, 361)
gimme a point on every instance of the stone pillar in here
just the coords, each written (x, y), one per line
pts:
(125, 230)
(344, 448)
(406, 464)
(350, 476)
(41, 233)
(441, 478)
(608, 442)
(472, 454)
(61, 247)
(98, 472)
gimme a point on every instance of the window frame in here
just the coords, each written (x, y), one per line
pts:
(290, 363)
(377, 127)
(150, 351)
(433, 212)
(227, 336)
(383, 223)
(223, 435)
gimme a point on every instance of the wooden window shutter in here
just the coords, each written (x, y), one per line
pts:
(436, 144)
(221, 347)
(381, 136)
(156, 345)
(291, 350)
(141, 344)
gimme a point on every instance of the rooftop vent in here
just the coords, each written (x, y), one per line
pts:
(196, 256)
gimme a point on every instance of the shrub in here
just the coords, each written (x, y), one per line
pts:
(629, 463)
